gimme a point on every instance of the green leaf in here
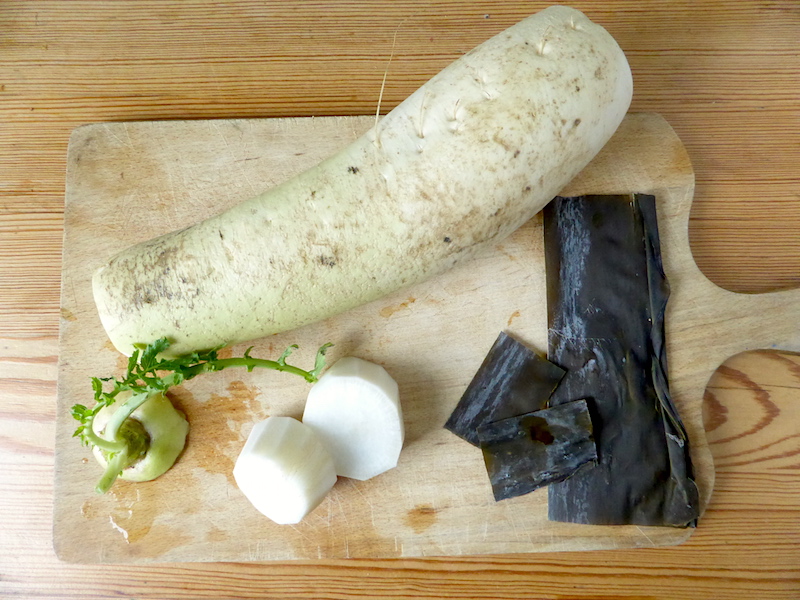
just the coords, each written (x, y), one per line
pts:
(282, 360)
(319, 363)
(149, 359)
(133, 360)
(80, 412)
(97, 387)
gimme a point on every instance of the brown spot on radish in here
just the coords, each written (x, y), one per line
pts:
(352, 170)
(576, 122)
(328, 261)
(499, 140)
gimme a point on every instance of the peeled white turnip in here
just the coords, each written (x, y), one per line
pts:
(355, 410)
(284, 470)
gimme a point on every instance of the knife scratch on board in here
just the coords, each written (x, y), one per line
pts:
(110, 131)
(647, 537)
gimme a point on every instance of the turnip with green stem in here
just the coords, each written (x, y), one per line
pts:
(134, 430)
(153, 437)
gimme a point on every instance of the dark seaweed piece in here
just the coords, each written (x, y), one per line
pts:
(607, 296)
(512, 380)
(529, 451)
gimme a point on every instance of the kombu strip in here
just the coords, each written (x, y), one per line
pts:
(526, 452)
(607, 296)
(512, 380)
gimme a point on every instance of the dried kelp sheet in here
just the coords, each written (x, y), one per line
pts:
(512, 380)
(607, 296)
(529, 451)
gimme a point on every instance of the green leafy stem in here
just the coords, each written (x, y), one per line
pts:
(124, 441)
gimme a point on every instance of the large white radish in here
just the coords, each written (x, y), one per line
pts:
(355, 410)
(463, 162)
(284, 470)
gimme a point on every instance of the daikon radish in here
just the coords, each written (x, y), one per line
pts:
(284, 470)
(355, 410)
(463, 162)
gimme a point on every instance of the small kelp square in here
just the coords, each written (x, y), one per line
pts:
(526, 452)
(512, 380)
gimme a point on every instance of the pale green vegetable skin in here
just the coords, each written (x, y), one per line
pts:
(167, 428)
(460, 164)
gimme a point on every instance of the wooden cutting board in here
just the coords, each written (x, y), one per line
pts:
(127, 182)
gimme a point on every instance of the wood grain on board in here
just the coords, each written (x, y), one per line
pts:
(724, 74)
(431, 337)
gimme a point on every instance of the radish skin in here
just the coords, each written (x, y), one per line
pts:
(284, 470)
(355, 410)
(460, 164)
(166, 427)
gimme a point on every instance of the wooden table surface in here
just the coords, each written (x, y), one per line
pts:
(725, 74)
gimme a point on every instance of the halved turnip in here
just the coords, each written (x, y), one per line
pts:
(355, 409)
(284, 470)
